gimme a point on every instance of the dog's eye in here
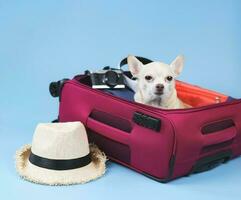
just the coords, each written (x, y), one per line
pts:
(148, 78)
(169, 78)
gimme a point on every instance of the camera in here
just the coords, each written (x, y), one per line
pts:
(107, 78)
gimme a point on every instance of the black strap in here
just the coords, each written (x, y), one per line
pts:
(59, 164)
(55, 120)
(142, 59)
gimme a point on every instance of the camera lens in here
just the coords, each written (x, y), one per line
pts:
(111, 78)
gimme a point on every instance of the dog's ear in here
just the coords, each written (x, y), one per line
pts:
(134, 65)
(177, 65)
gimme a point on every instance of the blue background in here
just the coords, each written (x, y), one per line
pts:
(43, 41)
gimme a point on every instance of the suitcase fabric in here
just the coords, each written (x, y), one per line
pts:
(162, 144)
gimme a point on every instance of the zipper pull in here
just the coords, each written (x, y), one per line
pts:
(217, 100)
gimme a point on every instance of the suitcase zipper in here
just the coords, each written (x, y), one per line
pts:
(153, 109)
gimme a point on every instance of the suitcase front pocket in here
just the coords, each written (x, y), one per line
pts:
(218, 135)
(112, 148)
(111, 134)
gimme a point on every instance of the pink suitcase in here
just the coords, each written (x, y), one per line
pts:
(162, 144)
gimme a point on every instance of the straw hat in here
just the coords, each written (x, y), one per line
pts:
(60, 155)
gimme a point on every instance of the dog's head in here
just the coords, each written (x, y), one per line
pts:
(156, 79)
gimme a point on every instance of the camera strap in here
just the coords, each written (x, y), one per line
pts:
(129, 80)
(142, 59)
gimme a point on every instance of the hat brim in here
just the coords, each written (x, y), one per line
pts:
(41, 175)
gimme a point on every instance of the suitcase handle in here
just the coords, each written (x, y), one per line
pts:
(108, 131)
(218, 132)
(220, 136)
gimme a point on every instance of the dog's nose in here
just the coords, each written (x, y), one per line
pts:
(159, 87)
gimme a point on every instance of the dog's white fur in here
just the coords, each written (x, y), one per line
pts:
(147, 93)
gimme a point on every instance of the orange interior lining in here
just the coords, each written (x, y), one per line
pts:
(197, 96)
